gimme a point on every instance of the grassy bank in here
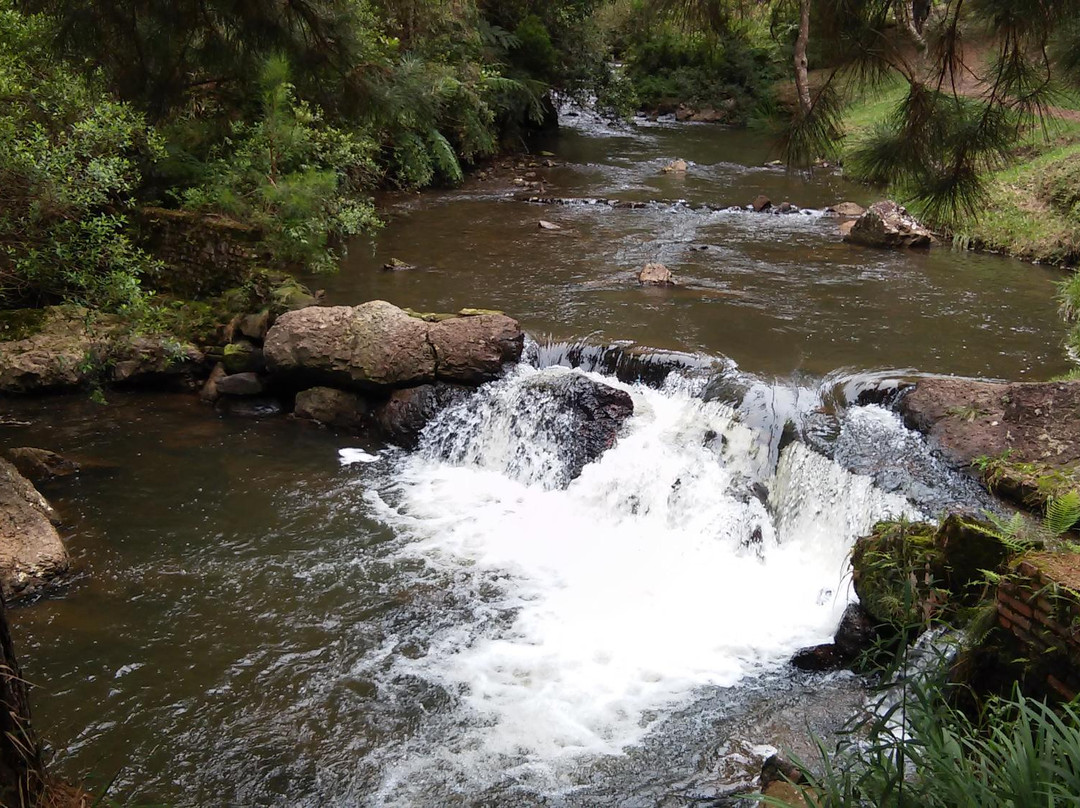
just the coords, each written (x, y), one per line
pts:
(1031, 210)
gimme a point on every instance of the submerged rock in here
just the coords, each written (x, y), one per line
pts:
(376, 346)
(850, 210)
(336, 408)
(655, 274)
(595, 413)
(397, 265)
(41, 464)
(249, 406)
(676, 167)
(886, 224)
(31, 553)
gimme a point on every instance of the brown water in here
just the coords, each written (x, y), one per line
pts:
(254, 624)
(774, 293)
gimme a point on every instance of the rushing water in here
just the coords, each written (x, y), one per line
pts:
(271, 614)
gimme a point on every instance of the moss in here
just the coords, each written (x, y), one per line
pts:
(897, 571)
(1030, 484)
(907, 574)
(17, 324)
(430, 316)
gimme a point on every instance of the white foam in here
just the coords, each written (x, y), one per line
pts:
(654, 573)
(349, 456)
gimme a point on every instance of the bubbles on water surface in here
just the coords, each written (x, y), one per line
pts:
(693, 554)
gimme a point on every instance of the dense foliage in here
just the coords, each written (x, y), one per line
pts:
(70, 160)
(283, 115)
(669, 60)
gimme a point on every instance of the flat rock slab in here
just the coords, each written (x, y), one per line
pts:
(1039, 422)
(1033, 428)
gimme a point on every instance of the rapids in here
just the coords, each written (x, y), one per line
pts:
(272, 614)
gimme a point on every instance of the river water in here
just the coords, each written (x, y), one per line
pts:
(267, 613)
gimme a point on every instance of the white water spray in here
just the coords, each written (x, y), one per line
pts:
(658, 571)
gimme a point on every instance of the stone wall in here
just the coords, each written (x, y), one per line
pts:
(1040, 607)
(203, 255)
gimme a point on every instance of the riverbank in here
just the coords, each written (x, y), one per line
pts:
(1029, 211)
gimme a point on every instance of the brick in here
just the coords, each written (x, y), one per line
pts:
(1016, 605)
(1013, 617)
(1060, 687)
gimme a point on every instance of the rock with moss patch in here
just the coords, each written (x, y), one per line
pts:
(243, 356)
(906, 574)
(56, 356)
(142, 360)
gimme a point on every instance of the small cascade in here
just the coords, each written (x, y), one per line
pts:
(694, 553)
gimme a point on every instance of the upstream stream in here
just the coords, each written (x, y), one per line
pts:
(268, 613)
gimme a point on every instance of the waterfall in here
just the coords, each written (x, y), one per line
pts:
(687, 556)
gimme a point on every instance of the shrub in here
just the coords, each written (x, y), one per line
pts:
(292, 175)
(70, 160)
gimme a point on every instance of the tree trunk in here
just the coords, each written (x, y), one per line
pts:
(907, 13)
(802, 80)
(21, 766)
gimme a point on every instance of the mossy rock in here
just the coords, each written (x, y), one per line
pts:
(906, 574)
(18, 324)
(242, 357)
(430, 316)
(897, 571)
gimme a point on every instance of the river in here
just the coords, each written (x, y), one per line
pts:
(262, 618)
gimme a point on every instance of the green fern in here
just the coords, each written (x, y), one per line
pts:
(443, 155)
(1062, 513)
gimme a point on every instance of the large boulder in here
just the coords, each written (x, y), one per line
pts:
(370, 346)
(31, 553)
(377, 346)
(886, 224)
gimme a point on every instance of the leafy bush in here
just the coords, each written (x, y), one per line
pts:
(70, 160)
(292, 175)
(667, 62)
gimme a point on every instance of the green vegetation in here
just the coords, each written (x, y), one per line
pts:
(282, 116)
(731, 66)
(918, 748)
